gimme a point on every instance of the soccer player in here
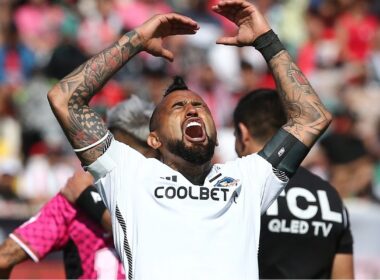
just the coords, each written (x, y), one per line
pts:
(88, 251)
(71, 220)
(305, 234)
(181, 217)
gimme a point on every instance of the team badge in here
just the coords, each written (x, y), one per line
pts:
(227, 182)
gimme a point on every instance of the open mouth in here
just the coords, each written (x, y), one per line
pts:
(194, 130)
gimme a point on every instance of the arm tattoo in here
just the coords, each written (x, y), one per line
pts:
(10, 255)
(307, 117)
(83, 126)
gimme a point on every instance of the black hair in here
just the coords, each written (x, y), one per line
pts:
(177, 84)
(262, 112)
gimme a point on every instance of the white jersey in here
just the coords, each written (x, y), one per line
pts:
(167, 228)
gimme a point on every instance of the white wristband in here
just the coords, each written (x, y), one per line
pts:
(92, 145)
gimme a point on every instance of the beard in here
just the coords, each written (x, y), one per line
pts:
(195, 154)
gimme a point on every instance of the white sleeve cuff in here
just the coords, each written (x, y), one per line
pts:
(24, 247)
(104, 164)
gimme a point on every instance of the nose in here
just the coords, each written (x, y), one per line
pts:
(191, 111)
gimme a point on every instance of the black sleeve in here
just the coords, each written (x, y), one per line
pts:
(284, 152)
(91, 203)
(346, 241)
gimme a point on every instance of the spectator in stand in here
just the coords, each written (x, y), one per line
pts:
(7, 183)
(16, 60)
(39, 22)
(100, 27)
(5, 16)
(358, 96)
(356, 29)
(10, 131)
(374, 59)
(321, 49)
(211, 25)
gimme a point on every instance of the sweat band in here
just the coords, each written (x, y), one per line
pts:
(90, 201)
(284, 152)
(93, 144)
(268, 44)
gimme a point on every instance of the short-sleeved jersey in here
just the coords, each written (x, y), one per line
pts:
(167, 228)
(88, 249)
(303, 230)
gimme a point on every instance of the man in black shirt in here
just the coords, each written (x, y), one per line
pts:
(305, 233)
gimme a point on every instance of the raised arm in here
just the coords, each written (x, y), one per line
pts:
(69, 98)
(307, 116)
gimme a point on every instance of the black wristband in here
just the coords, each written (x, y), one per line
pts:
(284, 152)
(89, 202)
(268, 44)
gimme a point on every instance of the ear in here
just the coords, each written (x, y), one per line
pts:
(248, 142)
(245, 136)
(153, 140)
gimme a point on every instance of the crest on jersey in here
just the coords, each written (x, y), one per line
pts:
(227, 182)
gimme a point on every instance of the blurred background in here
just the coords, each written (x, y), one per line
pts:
(335, 42)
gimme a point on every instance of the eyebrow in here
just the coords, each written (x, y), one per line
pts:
(195, 103)
(181, 103)
(184, 102)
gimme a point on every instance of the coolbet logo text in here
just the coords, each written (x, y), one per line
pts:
(219, 192)
(196, 193)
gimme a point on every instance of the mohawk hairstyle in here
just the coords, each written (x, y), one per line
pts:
(177, 84)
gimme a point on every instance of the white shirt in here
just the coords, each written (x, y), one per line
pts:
(167, 228)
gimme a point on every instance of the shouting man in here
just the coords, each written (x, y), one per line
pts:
(181, 217)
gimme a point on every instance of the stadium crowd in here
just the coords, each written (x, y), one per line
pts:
(336, 43)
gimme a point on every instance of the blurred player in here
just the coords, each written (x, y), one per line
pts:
(60, 225)
(305, 233)
(182, 217)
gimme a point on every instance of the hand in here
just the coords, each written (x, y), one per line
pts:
(76, 184)
(158, 27)
(250, 21)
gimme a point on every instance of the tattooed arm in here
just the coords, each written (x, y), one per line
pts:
(307, 117)
(10, 255)
(69, 99)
